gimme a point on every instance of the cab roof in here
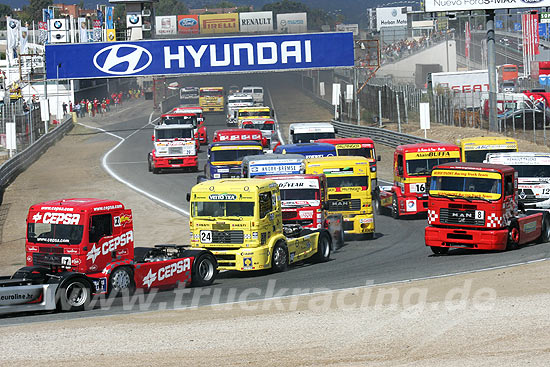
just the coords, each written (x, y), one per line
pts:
(272, 157)
(307, 125)
(335, 141)
(306, 147)
(486, 139)
(237, 131)
(233, 185)
(80, 204)
(338, 160)
(419, 147)
(303, 176)
(475, 166)
(174, 126)
(237, 142)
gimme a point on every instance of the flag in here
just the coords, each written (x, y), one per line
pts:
(109, 24)
(23, 40)
(83, 30)
(111, 35)
(47, 14)
(43, 32)
(13, 35)
(97, 30)
(530, 27)
(100, 17)
(468, 40)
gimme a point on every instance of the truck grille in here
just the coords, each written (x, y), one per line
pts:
(339, 205)
(54, 250)
(454, 216)
(289, 214)
(227, 236)
(46, 259)
(339, 196)
(232, 173)
(175, 161)
(175, 150)
(302, 222)
(347, 225)
(527, 196)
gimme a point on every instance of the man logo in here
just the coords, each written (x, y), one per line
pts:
(122, 59)
(57, 24)
(133, 19)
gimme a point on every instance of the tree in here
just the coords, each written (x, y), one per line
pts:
(315, 17)
(170, 7)
(4, 10)
(34, 10)
(225, 5)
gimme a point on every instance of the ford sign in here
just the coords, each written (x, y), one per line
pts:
(124, 59)
(188, 22)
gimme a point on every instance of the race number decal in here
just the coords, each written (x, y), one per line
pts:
(480, 214)
(206, 236)
(417, 187)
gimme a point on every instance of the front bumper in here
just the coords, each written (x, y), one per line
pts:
(411, 205)
(175, 162)
(242, 259)
(466, 238)
(358, 224)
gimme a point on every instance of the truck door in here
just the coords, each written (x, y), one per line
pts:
(99, 234)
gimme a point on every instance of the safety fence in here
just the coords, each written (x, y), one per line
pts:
(28, 124)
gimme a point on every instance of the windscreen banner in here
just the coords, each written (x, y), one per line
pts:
(200, 55)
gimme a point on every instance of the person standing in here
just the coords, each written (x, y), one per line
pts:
(64, 108)
(89, 108)
(77, 109)
(108, 103)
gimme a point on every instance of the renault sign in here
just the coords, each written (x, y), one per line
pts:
(466, 5)
(200, 55)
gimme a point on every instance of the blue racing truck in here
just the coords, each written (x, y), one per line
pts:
(308, 150)
(225, 158)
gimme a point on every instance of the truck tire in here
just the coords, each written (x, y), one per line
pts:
(545, 230)
(121, 280)
(323, 248)
(394, 207)
(204, 270)
(439, 250)
(74, 294)
(377, 205)
(149, 163)
(156, 171)
(513, 237)
(279, 258)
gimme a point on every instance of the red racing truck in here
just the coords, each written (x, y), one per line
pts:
(412, 165)
(77, 248)
(240, 135)
(174, 147)
(475, 206)
(196, 115)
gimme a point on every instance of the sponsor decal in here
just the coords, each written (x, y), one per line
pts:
(222, 197)
(57, 209)
(166, 272)
(32, 249)
(123, 59)
(109, 207)
(110, 245)
(530, 227)
(76, 261)
(247, 263)
(56, 218)
(187, 22)
(71, 251)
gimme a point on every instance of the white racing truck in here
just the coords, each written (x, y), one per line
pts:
(533, 171)
(234, 103)
(308, 132)
(175, 146)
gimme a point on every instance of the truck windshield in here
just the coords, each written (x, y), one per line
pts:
(254, 114)
(174, 133)
(533, 171)
(241, 100)
(309, 137)
(179, 120)
(54, 233)
(223, 209)
(423, 167)
(211, 93)
(188, 94)
(479, 155)
(360, 152)
(232, 155)
(466, 184)
(348, 181)
(299, 194)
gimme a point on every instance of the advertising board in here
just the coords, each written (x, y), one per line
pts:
(166, 25)
(390, 17)
(188, 24)
(292, 23)
(467, 5)
(261, 21)
(219, 23)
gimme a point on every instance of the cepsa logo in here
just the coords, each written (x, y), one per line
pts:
(111, 245)
(123, 59)
(56, 218)
(166, 272)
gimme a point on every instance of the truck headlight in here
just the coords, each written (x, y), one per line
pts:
(216, 175)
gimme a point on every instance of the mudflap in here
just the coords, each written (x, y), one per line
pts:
(334, 226)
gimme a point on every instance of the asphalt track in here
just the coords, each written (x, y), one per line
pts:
(396, 254)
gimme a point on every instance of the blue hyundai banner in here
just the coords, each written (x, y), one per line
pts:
(200, 55)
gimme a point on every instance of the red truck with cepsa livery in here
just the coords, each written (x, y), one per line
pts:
(78, 248)
(475, 206)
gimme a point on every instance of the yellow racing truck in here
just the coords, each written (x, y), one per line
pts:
(240, 220)
(476, 149)
(349, 190)
(211, 99)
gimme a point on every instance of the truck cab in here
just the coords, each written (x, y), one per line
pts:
(256, 92)
(240, 220)
(174, 147)
(309, 132)
(187, 115)
(533, 176)
(308, 150)
(211, 99)
(349, 191)
(474, 206)
(225, 158)
(250, 113)
(236, 102)
(240, 135)
(265, 125)
(412, 165)
(189, 96)
(476, 149)
(272, 164)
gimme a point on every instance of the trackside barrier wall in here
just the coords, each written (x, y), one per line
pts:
(169, 103)
(10, 169)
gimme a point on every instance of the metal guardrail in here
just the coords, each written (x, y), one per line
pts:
(382, 136)
(10, 169)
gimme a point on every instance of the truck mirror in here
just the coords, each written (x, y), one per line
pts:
(188, 196)
(379, 158)
(152, 138)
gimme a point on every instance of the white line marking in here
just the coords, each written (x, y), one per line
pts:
(120, 179)
(276, 119)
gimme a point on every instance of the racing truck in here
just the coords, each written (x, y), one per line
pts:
(272, 164)
(476, 149)
(174, 147)
(533, 176)
(412, 165)
(308, 150)
(240, 135)
(225, 158)
(240, 220)
(211, 99)
(200, 128)
(258, 112)
(349, 191)
(308, 132)
(234, 103)
(266, 126)
(475, 206)
(189, 96)
(78, 248)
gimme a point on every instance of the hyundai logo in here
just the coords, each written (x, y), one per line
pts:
(134, 19)
(124, 59)
(188, 22)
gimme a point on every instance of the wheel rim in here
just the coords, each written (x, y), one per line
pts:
(514, 235)
(76, 294)
(376, 205)
(279, 256)
(120, 280)
(206, 269)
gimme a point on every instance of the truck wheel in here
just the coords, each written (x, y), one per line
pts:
(323, 248)
(75, 294)
(149, 163)
(204, 270)
(156, 171)
(377, 206)
(513, 237)
(545, 230)
(121, 280)
(439, 250)
(279, 258)
(394, 207)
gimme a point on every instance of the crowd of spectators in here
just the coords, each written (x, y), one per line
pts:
(98, 107)
(403, 48)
